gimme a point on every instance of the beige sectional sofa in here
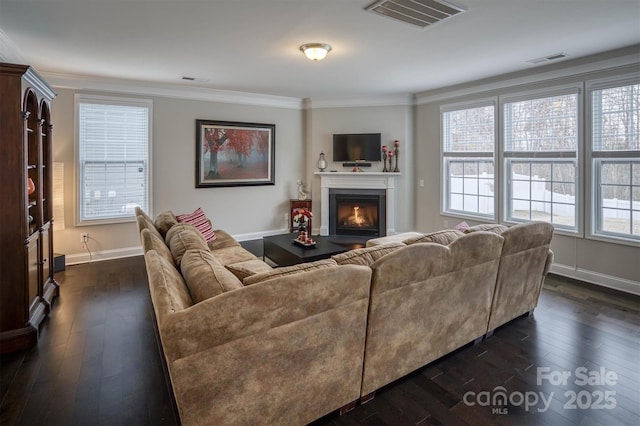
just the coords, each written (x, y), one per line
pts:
(287, 349)
(248, 344)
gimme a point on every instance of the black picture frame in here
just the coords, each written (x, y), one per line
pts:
(230, 153)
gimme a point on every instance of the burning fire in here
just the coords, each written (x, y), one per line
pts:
(356, 219)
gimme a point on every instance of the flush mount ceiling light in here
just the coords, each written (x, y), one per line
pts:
(315, 51)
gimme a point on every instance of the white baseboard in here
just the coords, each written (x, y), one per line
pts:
(74, 259)
(258, 235)
(622, 284)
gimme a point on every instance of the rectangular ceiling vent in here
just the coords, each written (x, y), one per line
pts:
(420, 13)
(553, 57)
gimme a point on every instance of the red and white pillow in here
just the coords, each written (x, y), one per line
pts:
(200, 221)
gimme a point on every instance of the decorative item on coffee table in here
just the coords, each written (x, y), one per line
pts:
(304, 238)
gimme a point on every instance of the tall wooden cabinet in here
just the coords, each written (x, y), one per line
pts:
(27, 282)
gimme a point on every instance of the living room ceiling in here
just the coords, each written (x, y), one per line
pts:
(252, 45)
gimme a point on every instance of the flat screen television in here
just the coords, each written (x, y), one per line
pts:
(357, 147)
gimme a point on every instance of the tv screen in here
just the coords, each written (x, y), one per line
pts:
(357, 147)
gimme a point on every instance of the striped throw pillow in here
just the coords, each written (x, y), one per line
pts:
(200, 221)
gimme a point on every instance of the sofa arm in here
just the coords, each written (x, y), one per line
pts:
(258, 308)
(547, 265)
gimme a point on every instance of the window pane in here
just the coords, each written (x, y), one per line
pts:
(616, 221)
(470, 204)
(615, 173)
(455, 202)
(470, 185)
(544, 124)
(469, 130)
(616, 118)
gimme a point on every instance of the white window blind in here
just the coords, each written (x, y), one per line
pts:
(540, 152)
(616, 161)
(468, 142)
(113, 155)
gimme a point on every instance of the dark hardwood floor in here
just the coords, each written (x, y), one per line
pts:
(97, 362)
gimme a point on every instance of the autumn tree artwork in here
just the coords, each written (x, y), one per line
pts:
(234, 153)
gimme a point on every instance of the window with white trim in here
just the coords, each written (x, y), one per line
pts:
(615, 157)
(113, 137)
(468, 144)
(541, 141)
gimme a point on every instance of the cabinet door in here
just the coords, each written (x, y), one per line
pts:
(33, 274)
(49, 285)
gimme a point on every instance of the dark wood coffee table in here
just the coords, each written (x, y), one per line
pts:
(281, 249)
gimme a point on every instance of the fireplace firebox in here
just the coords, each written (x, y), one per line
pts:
(357, 212)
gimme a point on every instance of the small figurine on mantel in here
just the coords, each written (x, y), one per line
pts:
(302, 191)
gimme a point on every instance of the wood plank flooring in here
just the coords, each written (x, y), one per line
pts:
(98, 362)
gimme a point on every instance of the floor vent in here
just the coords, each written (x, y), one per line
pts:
(420, 13)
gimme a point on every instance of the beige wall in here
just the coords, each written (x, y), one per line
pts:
(393, 122)
(301, 134)
(239, 210)
(610, 264)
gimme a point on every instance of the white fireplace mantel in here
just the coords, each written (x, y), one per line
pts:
(361, 180)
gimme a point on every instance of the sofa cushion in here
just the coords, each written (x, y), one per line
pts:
(164, 221)
(247, 268)
(290, 270)
(444, 237)
(489, 227)
(233, 254)
(200, 221)
(168, 290)
(367, 255)
(396, 238)
(151, 241)
(183, 237)
(144, 222)
(205, 276)
(223, 240)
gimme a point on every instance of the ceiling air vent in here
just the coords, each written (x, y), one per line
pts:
(553, 57)
(415, 12)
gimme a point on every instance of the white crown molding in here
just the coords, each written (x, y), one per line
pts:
(77, 82)
(9, 52)
(392, 100)
(579, 66)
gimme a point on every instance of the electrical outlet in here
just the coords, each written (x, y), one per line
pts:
(446, 224)
(84, 237)
(286, 217)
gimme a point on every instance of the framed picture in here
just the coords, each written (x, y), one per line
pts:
(234, 154)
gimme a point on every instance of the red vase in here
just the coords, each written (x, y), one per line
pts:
(31, 187)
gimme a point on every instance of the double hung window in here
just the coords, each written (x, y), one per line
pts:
(615, 158)
(541, 141)
(468, 141)
(113, 157)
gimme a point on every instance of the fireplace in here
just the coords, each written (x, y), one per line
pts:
(357, 212)
(361, 183)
